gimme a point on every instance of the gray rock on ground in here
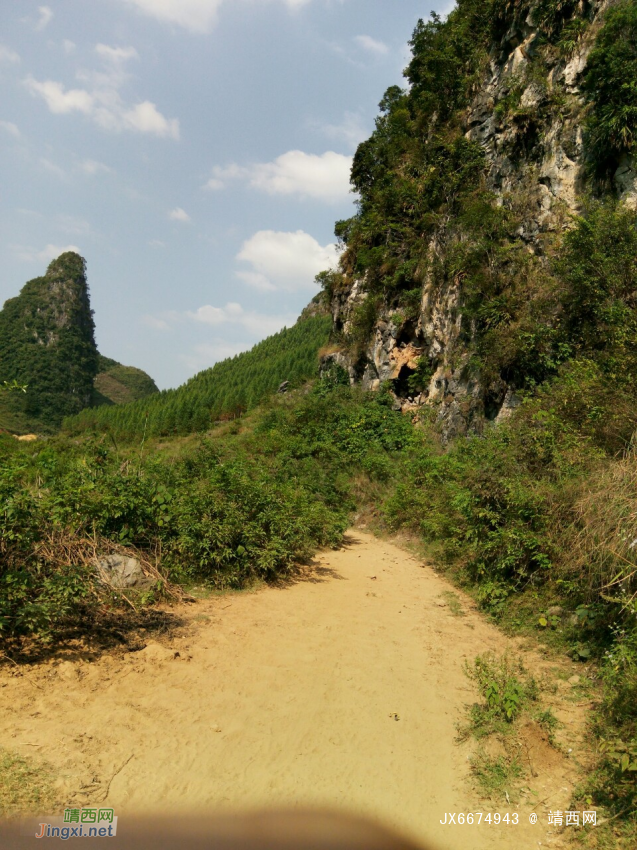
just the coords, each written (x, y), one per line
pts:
(122, 571)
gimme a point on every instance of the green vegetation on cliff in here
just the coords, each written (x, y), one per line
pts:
(47, 343)
(425, 214)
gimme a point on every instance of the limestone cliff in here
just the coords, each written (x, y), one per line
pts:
(525, 111)
(47, 343)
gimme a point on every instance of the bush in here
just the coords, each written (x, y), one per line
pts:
(611, 84)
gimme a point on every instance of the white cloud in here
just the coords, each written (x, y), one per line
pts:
(46, 15)
(51, 252)
(157, 243)
(256, 280)
(379, 48)
(72, 225)
(68, 46)
(10, 128)
(8, 56)
(178, 215)
(233, 314)
(103, 103)
(223, 174)
(146, 118)
(232, 320)
(48, 253)
(116, 55)
(208, 353)
(215, 184)
(58, 100)
(284, 261)
(194, 15)
(324, 177)
(91, 167)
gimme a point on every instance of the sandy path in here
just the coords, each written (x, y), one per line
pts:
(286, 696)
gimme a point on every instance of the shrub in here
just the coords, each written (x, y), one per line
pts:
(505, 688)
(611, 84)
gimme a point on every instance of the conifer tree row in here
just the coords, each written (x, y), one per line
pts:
(225, 391)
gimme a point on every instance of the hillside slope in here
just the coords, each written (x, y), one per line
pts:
(456, 277)
(118, 384)
(226, 390)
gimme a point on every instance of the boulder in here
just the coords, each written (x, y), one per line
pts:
(123, 571)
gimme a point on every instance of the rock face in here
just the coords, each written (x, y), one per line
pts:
(120, 571)
(535, 163)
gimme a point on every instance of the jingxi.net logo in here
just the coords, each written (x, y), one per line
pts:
(80, 823)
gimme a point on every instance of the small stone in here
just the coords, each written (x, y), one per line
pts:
(574, 680)
(555, 611)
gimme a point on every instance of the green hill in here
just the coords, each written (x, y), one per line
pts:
(117, 384)
(47, 342)
(226, 390)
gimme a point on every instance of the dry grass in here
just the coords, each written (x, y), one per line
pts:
(25, 786)
(604, 550)
(326, 350)
(62, 547)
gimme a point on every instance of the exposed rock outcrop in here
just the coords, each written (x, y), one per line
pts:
(535, 163)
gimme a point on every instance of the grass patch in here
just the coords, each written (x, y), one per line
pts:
(497, 777)
(25, 786)
(453, 603)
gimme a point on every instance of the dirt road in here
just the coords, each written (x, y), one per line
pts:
(344, 690)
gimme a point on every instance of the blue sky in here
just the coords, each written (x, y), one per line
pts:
(195, 152)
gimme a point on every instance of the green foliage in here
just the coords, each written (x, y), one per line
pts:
(614, 784)
(420, 378)
(551, 17)
(497, 776)
(225, 391)
(227, 511)
(505, 688)
(12, 386)
(447, 58)
(47, 343)
(611, 84)
(529, 317)
(417, 166)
